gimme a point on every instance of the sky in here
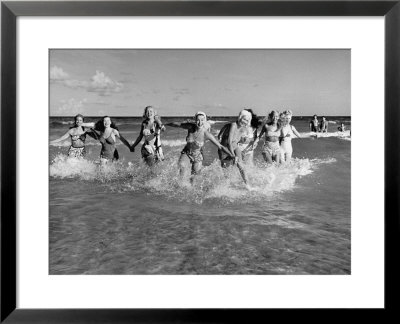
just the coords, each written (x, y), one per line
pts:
(181, 82)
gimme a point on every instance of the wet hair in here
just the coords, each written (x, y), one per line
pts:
(254, 118)
(99, 125)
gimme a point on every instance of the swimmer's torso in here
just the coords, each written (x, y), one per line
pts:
(77, 138)
(195, 138)
(272, 133)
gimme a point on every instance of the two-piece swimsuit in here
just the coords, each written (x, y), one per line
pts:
(77, 148)
(271, 147)
(193, 147)
(152, 147)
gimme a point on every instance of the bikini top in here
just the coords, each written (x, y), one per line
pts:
(75, 138)
(274, 133)
(192, 139)
(152, 130)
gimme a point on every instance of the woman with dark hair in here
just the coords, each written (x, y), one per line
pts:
(195, 139)
(77, 134)
(151, 128)
(272, 130)
(106, 132)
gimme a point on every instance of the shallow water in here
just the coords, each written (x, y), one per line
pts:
(127, 219)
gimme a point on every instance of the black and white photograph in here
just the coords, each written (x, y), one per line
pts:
(199, 161)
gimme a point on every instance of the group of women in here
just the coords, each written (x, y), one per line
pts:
(236, 141)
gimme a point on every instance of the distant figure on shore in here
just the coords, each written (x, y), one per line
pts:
(314, 124)
(77, 134)
(323, 126)
(287, 132)
(342, 128)
(271, 150)
(150, 130)
(195, 139)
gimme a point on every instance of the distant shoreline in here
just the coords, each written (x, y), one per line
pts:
(190, 116)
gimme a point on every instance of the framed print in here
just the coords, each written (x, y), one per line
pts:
(168, 179)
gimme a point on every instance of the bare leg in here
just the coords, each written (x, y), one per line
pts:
(181, 164)
(240, 165)
(267, 157)
(150, 160)
(276, 158)
(196, 169)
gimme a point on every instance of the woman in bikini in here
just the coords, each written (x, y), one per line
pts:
(77, 135)
(287, 133)
(150, 131)
(271, 150)
(196, 136)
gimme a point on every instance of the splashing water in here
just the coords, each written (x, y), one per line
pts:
(213, 183)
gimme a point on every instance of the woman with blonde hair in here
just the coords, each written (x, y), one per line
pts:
(150, 130)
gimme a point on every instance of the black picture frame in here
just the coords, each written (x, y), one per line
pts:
(10, 10)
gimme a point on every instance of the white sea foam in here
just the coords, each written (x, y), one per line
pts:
(213, 183)
(345, 134)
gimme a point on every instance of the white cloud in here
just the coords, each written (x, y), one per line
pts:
(103, 84)
(57, 73)
(71, 106)
(99, 83)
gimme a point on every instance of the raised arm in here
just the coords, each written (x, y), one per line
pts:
(62, 138)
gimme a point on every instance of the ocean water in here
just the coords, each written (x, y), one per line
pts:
(125, 218)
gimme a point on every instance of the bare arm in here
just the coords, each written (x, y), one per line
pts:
(295, 132)
(88, 124)
(230, 138)
(123, 140)
(263, 129)
(139, 138)
(210, 136)
(62, 138)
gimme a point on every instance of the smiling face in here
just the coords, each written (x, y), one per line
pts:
(200, 119)
(107, 122)
(78, 121)
(244, 121)
(275, 117)
(150, 112)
